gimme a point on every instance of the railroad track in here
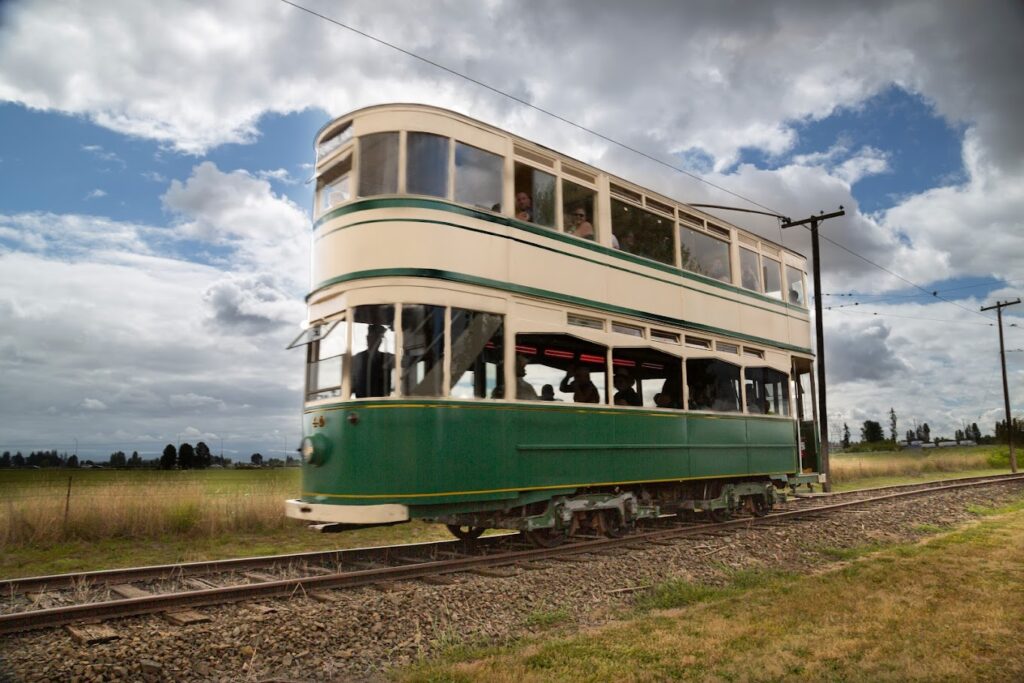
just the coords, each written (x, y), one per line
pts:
(177, 589)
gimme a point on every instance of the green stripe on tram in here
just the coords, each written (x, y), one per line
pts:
(555, 296)
(443, 205)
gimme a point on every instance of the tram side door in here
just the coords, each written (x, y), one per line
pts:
(803, 379)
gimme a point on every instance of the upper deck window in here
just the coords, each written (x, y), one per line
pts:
(578, 210)
(641, 232)
(772, 277)
(535, 196)
(704, 254)
(478, 177)
(378, 164)
(335, 186)
(750, 272)
(334, 141)
(795, 280)
(426, 164)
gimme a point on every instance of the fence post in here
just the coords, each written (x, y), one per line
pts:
(67, 506)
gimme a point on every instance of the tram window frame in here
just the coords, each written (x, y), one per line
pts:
(548, 359)
(750, 272)
(629, 330)
(651, 232)
(584, 321)
(335, 334)
(419, 179)
(692, 241)
(798, 296)
(484, 355)
(470, 196)
(542, 199)
(578, 198)
(422, 371)
(338, 176)
(378, 163)
(770, 265)
(363, 319)
(664, 336)
(767, 391)
(644, 367)
(708, 383)
(333, 142)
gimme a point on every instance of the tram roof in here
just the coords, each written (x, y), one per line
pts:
(518, 138)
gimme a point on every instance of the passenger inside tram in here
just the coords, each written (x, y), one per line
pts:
(372, 368)
(625, 394)
(577, 382)
(524, 207)
(581, 227)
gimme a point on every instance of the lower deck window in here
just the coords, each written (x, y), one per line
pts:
(767, 391)
(373, 351)
(713, 385)
(477, 354)
(554, 367)
(645, 377)
(422, 350)
(325, 366)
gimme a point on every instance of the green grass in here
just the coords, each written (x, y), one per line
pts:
(890, 615)
(547, 618)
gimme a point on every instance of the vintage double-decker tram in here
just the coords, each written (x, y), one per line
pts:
(500, 336)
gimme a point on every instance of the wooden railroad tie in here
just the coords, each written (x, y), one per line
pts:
(181, 617)
(91, 634)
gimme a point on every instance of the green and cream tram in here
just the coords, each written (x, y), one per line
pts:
(502, 336)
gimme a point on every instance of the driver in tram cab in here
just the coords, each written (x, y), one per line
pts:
(372, 368)
(577, 382)
(524, 207)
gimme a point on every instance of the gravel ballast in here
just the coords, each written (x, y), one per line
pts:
(356, 634)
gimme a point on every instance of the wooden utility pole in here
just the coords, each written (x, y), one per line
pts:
(813, 221)
(999, 306)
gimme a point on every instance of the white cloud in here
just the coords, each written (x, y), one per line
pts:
(93, 404)
(96, 194)
(278, 174)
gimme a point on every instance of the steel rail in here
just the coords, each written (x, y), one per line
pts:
(35, 619)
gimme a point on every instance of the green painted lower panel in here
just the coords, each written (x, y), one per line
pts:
(422, 453)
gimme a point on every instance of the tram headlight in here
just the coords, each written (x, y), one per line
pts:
(315, 449)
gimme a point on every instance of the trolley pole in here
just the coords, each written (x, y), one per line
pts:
(814, 221)
(999, 306)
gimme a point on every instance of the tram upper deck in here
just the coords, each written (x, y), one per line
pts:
(412, 191)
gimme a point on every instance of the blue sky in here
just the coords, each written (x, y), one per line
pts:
(154, 213)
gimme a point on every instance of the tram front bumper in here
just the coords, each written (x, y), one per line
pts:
(388, 513)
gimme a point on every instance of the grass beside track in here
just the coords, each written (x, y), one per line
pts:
(121, 518)
(889, 615)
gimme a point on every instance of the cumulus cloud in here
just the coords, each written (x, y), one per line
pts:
(93, 404)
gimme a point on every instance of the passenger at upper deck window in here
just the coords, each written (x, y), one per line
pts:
(581, 227)
(524, 207)
(577, 382)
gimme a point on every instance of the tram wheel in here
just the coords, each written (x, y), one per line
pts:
(464, 532)
(545, 538)
(720, 514)
(611, 524)
(759, 506)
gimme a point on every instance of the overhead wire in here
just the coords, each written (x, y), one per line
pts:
(602, 136)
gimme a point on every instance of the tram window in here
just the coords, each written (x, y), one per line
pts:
(647, 377)
(642, 232)
(426, 164)
(334, 141)
(378, 164)
(750, 273)
(574, 369)
(663, 336)
(535, 196)
(477, 355)
(578, 213)
(373, 351)
(478, 177)
(772, 277)
(422, 350)
(704, 254)
(325, 360)
(795, 280)
(713, 385)
(334, 186)
(767, 391)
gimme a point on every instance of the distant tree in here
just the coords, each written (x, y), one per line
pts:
(203, 456)
(169, 458)
(72, 461)
(846, 435)
(910, 435)
(892, 424)
(186, 456)
(960, 435)
(871, 432)
(925, 433)
(5, 460)
(290, 461)
(135, 460)
(256, 459)
(118, 459)
(18, 460)
(975, 432)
